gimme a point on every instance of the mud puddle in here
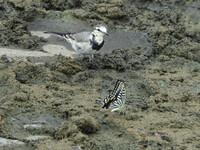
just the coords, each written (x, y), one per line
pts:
(31, 125)
(117, 39)
(25, 119)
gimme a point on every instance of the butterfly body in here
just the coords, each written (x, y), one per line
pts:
(110, 99)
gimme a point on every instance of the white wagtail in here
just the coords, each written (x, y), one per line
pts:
(85, 43)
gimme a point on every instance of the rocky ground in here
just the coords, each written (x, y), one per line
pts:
(48, 101)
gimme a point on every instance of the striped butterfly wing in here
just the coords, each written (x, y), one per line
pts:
(111, 98)
(120, 97)
(117, 87)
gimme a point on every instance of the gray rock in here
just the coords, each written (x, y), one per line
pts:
(37, 138)
(31, 126)
(76, 148)
(8, 142)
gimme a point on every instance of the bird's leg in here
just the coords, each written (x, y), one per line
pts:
(79, 55)
(91, 57)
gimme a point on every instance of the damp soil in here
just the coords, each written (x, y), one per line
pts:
(56, 96)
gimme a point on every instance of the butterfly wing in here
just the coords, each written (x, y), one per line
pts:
(116, 88)
(117, 99)
(120, 97)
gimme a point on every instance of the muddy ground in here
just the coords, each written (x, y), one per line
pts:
(54, 98)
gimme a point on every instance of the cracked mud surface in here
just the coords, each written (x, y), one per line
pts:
(50, 102)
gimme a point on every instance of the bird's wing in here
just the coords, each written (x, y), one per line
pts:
(58, 33)
(82, 36)
(79, 37)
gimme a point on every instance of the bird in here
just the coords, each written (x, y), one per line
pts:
(85, 43)
(116, 100)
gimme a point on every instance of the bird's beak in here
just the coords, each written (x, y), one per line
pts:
(106, 33)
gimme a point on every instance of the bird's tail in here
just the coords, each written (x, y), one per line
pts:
(66, 36)
(57, 33)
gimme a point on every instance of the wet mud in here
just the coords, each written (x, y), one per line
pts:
(50, 102)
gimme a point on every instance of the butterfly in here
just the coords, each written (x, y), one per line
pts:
(116, 100)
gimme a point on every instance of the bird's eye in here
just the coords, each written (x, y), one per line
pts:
(98, 30)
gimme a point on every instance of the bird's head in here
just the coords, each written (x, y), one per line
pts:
(100, 30)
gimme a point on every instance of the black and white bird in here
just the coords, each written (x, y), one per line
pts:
(85, 43)
(117, 99)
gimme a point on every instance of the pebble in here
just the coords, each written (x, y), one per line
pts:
(30, 126)
(37, 138)
(76, 148)
(8, 142)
